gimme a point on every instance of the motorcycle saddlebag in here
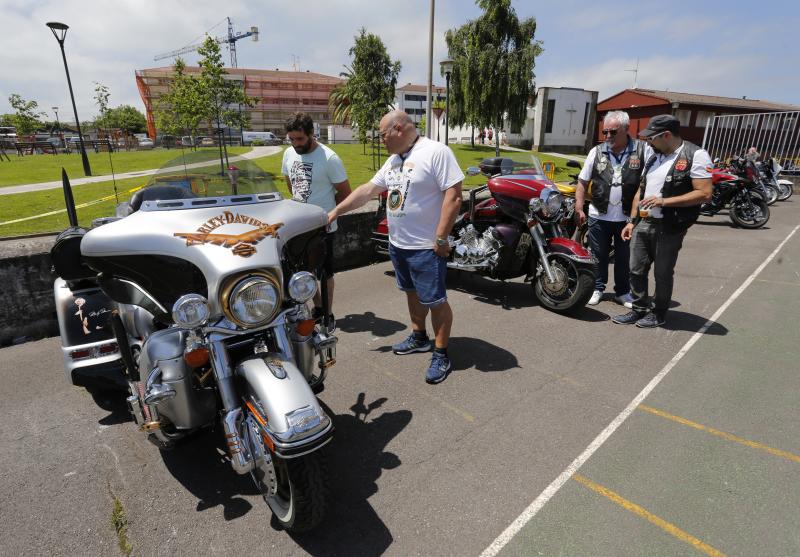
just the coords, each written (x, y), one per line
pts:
(66, 256)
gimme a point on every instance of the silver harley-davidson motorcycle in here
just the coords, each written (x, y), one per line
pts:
(207, 283)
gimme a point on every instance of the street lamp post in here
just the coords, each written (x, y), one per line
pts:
(60, 32)
(447, 69)
(58, 124)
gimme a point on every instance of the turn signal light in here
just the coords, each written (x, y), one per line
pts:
(197, 357)
(305, 327)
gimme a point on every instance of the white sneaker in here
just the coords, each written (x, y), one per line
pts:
(625, 300)
(597, 295)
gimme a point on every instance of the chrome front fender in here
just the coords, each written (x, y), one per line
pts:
(287, 410)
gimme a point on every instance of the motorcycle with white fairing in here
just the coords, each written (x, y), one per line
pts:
(208, 281)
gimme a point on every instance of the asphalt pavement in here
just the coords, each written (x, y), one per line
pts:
(707, 462)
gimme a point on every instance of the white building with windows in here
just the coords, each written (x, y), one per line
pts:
(413, 99)
(567, 121)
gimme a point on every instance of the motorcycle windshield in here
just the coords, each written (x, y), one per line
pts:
(527, 164)
(202, 174)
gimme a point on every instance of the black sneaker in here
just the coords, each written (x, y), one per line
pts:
(652, 319)
(629, 318)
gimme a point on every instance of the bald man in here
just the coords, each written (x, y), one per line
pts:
(424, 184)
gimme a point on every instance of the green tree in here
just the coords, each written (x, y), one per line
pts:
(101, 95)
(182, 108)
(371, 85)
(493, 77)
(25, 118)
(339, 101)
(126, 118)
(222, 98)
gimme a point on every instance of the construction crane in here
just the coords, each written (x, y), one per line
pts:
(230, 40)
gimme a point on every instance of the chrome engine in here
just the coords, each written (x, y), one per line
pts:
(472, 250)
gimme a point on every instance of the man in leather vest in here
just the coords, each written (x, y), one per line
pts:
(677, 179)
(615, 169)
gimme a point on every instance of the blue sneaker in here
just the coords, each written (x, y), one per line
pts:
(439, 368)
(411, 345)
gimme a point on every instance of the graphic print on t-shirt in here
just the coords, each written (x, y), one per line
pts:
(300, 175)
(398, 181)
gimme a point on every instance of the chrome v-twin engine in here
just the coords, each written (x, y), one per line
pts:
(472, 250)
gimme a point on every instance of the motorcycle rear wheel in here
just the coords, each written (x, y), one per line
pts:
(570, 292)
(749, 216)
(772, 193)
(786, 191)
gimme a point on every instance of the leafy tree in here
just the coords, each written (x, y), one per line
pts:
(126, 118)
(221, 98)
(181, 108)
(25, 118)
(101, 95)
(339, 101)
(372, 82)
(493, 77)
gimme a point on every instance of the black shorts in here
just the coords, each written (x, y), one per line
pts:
(328, 265)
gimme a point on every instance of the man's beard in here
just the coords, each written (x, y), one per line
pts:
(303, 149)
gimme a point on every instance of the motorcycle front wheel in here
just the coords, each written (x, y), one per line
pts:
(772, 193)
(751, 214)
(570, 290)
(296, 489)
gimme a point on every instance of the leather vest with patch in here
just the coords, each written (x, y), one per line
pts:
(678, 182)
(603, 177)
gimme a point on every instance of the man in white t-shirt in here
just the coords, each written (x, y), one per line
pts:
(315, 174)
(677, 181)
(423, 181)
(615, 169)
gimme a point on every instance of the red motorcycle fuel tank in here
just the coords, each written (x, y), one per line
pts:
(513, 192)
(721, 176)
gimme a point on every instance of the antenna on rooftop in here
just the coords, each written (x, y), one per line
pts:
(295, 62)
(635, 74)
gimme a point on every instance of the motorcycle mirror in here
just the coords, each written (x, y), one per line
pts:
(473, 171)
(573, 164)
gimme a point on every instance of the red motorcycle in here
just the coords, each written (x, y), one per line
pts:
(518, 232)
(738, 188)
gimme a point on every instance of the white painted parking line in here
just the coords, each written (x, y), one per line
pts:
(508, 534)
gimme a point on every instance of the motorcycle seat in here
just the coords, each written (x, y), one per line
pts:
(159, 193)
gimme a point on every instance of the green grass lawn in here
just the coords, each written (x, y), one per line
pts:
(32, 169)
(359, 169)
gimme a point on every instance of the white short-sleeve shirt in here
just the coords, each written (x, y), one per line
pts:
(657, 174)
(614, 213)
(416, 186)
(313, 176)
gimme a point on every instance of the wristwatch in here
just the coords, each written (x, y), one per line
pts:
(629, 220)
(441, 241)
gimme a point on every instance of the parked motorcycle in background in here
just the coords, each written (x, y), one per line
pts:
(769, 170)
(519, 231)
(739, 188)
(207, 279)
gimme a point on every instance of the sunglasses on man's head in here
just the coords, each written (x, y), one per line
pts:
(610, 132)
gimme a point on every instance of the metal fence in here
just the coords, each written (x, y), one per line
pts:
(773, 134)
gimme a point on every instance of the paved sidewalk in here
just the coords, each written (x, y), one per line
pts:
(256, 153)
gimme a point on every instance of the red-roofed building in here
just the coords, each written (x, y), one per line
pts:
(692, 110)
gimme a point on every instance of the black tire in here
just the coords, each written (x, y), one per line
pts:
(772, 193)
(752, 215)
(575, 286)
(786, 191)
(301, 500)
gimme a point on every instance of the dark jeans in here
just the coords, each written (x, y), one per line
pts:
(650, 245)
(601, 234)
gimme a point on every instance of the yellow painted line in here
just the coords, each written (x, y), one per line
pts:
(722, 434)
(778, 282)
(650, 517)
(463, 413)
(81, 206)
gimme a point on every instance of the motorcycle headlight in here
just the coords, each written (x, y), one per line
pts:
(551, 203)
(190, 311)
(253, 300)
(302, 286)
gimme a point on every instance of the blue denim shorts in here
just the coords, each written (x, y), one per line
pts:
(420, 270)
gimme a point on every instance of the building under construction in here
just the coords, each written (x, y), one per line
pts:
(277, 93)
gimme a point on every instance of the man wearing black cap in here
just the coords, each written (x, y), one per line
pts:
(676, 181)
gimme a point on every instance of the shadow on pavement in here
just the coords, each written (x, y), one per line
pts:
(356, 459)
(466, 353)
(114, 403)
(507, 295)
(683, 321)
(369, 322)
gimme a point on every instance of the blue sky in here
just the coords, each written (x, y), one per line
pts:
(732, 48)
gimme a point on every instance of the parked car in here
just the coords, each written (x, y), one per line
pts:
(189, 141)
(145, 143)
(206, 141)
